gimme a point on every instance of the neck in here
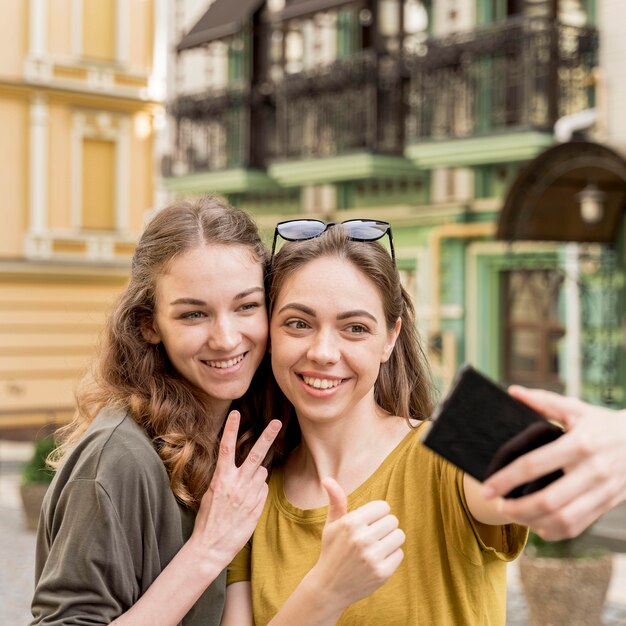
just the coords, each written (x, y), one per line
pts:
(217, 410)
(349, 450)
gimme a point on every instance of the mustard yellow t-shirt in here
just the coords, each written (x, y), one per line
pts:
(448, 575)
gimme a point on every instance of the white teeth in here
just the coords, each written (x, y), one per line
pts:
(321, 383)
(224, 364)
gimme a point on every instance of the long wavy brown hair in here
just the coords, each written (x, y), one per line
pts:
(136, 376)
(404, 385)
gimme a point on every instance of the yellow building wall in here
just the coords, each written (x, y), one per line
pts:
(99, 184)
(60, 29)
(59, 166)
(51, 316)
(14, 42)
(49, 330)
(99, 32)
(142, 42)
(14, 114)
(142, 175)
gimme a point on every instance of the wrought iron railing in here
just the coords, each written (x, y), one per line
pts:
(340, 108)
(212, 131)
(519, 74)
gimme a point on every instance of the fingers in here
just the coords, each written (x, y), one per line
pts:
(369, 513)
(337, 500)
(551, 405)
(258, 492)
(577, 516)
(383, 526)
(390, 564)
(561, 511)
(226, 452)
(260, 448)
(228, 442)
(258, 509)
(539, 462)
(390, 543)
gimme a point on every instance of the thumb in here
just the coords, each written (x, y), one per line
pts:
(337, 500)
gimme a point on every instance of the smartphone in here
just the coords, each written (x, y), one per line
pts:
(480, 428)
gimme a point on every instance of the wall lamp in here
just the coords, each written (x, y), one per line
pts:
(591, 201)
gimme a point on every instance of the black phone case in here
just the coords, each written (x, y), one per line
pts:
(480, 428)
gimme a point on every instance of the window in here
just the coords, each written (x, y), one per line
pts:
(99, 184)
(417, 24)
(100, 172)
(532, 329)
(98, 30)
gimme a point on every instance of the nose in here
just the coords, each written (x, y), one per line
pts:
(224, 335)
(324, 348)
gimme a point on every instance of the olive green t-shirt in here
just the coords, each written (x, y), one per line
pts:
(448, 575)
(108, 527)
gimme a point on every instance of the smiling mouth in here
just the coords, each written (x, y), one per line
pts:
(222, 365)
(321, 383)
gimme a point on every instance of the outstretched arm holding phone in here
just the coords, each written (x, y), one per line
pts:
(592, 454)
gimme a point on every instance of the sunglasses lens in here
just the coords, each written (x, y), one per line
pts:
(301, 229)
(366, 230)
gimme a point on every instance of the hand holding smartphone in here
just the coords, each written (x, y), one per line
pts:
(480, 428)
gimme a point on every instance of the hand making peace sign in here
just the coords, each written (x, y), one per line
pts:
(233, 503)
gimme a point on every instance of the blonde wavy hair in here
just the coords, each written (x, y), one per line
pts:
(136, 376)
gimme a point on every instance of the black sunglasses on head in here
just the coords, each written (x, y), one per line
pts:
(356, 230)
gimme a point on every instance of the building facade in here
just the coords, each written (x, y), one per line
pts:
(82, 84)
(422, 113)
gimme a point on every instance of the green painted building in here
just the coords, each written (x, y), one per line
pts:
(422, 113)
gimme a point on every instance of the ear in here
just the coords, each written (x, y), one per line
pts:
(392, 337)
(150, 332)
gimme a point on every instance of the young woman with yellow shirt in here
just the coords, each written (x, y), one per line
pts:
(414, 541)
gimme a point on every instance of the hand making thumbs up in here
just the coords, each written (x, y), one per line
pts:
(360, 549)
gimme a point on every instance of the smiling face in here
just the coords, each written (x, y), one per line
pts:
(211, 317)
(328, 339)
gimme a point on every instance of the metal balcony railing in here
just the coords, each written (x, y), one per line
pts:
(518, 74)
(212, 132)
(351, 105)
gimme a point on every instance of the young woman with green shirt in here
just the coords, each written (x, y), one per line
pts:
(414, 542)
(147, 507)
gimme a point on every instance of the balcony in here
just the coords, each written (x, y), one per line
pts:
(522, 74)
(352, 105)
(518, 75)
(212, 132)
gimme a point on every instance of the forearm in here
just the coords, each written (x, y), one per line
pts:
(484, 511)
(174, 591)
(311, 604)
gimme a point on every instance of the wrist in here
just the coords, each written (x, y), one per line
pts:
(203, 563)
(321, 588)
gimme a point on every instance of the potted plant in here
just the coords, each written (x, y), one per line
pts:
(565, 582)
(36, 476)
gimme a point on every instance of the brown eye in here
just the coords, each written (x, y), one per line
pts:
(357, 329)
(192, 315)
(297, 325)
(249, 307)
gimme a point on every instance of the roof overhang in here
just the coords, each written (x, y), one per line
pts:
(543, 204)
(222, 19)
(297, 8)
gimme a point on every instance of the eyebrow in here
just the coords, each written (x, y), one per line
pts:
(356, 313)
(342, 316)
(196, 302)
(299, 307)
(248, 292)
